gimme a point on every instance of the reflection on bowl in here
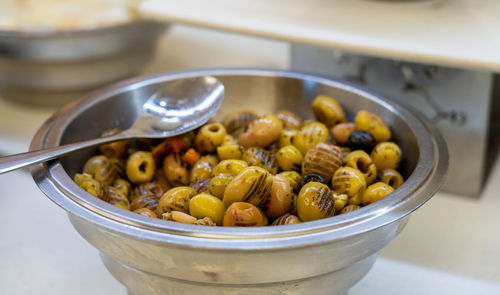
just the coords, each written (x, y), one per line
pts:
(152, 256)
(53, 67)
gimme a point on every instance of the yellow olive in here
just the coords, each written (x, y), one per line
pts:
(238, 120)
(339, 200)
(116, 198)
(119, 166)
(229, 140)
(293, 177)
(372, 123)
(206, 205)
(145, 212)
(178, 216)
(386, 155)
(252, 184)
(227, 152)
(175, 170)
(218, 184)
(280, 201)
(231, 167)
(341, 132)
(375, 192)
(92, 186)
(175, 199)
(123, 186)
(361, 160)
(261, 132)
(101, 169)
(203, 168)
(146, 201)
(315, 201)
(289, 158)
(310, 135)
(351, 182)
(286, 219)
(80, 178)
(116, 149)
(244, 214)
(289, 119)
(391, 177)
(209, 137)
(287, 136)
(140, 167)
(328, 111)
(323, 159)
(349, 208)
(256, 156)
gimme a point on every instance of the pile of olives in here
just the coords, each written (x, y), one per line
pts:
(252, 170)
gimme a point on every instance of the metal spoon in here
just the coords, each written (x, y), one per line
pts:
(179, 106)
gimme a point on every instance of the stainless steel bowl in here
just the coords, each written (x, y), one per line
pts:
(152, 256)
(53, 67)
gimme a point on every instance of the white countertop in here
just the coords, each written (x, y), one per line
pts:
(450, 246)
(459, 33)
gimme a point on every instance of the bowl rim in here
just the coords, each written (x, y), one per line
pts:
(420, 186)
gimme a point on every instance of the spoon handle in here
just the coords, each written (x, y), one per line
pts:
(13, 162)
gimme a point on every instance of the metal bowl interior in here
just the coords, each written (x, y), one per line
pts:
(265, 91)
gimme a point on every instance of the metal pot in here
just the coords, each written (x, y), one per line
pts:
(52, 67)
(152, 256)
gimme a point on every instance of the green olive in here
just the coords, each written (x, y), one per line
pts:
(175, 199)
(386, 155)
(287, 136)
(231, 167)
(203, 168)
(361, 160)
(140, 167)
(289, 158)
(101, 169)
(252, 184)
(328, 111)
(293, 177)
(206, 205)
(391, 177)
(244, 214)
(372, 123)
(375, 192)
(310, 135)
(351, 182)
(315, 201)
(218, 184)
(209, 138)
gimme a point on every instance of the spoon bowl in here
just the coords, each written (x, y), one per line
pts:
(178, 106)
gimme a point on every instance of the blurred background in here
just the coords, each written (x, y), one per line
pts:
(439, 56)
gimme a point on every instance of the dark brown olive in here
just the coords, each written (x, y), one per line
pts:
(200, 186)
(311, 177)
(361, 140)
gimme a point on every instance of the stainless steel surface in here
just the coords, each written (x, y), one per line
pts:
(321, 257)
(457, 101)
(178, 106)
(51, 67)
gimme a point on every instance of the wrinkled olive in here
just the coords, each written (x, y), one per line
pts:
(361, 140)
(209, 137)
(309, 136)
(231, 167)
(146, 201)
(370, 122)
(101, 169)
(311, 177)
(293, 177)
(349, 208)
(175, 170)
(328, 111)
(286, 219)
(146, 212)
(175, 199)
(315, 201)
(351, 182)
(361, 160)
(256, 156)
(203, 168)
(206, 205)
(261, 132)
(289, 119)
(244, 214)
(237, 121)
(386, 155)
(140, 167)
(341, 132)
(252, 184)
(375, 192)
(280, 200)
(289, 158)
(391, 177)
(323, 159)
